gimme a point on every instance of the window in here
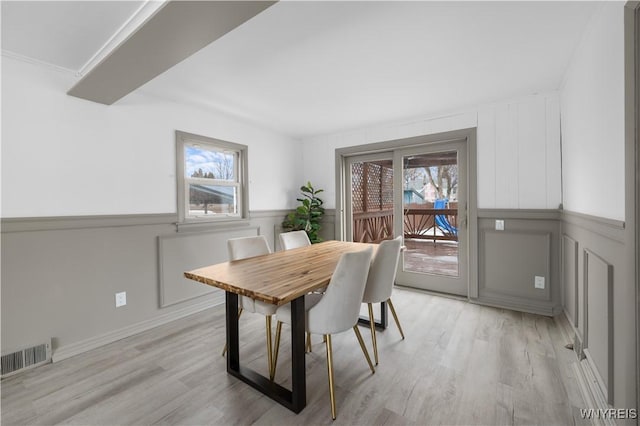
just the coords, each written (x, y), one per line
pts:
(212, 179)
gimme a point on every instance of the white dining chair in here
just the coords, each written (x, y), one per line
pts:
(335, 311)
(243, 248)
(294, 239)
(380, 281)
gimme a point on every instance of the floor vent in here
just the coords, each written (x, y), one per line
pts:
(23, 359)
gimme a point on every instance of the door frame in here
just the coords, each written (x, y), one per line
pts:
(632, 159)
(463, 135)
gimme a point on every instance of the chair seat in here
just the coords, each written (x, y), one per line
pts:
(257, 306)
(283, 314)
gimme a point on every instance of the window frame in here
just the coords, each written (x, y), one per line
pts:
(240, 181)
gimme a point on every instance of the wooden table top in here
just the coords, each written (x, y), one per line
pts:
(279, 277)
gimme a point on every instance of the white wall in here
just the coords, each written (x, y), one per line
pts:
(518, 150)
(592, 102)
(592, 111)
(519, 163)
(63, 156)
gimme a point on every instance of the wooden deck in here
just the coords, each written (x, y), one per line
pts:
(427, 257)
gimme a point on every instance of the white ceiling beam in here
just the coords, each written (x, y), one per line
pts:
(173, 33)
(137, 20)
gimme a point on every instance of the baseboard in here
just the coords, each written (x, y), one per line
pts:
(585, 375)
(591, 394)
(565, 326)
(91, 343)
(515, 305)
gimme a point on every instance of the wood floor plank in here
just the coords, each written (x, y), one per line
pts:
(460, 363)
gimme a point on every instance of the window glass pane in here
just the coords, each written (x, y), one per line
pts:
(211, 200)
(204, 162)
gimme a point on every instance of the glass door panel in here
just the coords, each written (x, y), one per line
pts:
(430, 206)
(370, 206)
(433, 213)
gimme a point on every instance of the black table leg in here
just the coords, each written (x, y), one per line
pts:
(298, 370)
(233, 340)
(294, 399)
(382, 325)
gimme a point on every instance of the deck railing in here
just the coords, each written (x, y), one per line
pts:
(373, 227)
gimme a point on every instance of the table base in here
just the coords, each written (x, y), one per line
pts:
(384, 319)
(294, 399)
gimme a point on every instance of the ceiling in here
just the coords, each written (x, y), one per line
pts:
(62, 33)
(309, 68)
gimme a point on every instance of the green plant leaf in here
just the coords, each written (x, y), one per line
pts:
(308, 215)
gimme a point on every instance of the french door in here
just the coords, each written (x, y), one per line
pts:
(421, 194)
(432, 217)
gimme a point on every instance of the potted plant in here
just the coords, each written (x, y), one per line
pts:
(308, 215)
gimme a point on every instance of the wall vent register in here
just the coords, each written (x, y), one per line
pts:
(14, 362)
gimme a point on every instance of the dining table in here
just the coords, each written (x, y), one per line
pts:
(277, 278)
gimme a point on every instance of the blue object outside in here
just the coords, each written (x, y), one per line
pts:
(441, 220)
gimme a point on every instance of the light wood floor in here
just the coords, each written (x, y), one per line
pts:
(460, 364)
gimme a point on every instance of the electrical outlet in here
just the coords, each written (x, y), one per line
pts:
(538, 282)
(499, 225)
(121, 299)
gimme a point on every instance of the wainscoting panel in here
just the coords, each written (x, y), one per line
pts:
(509, 260)
(570, 278)
(605, 300)
(519, 257)
(186, 251)
(328, 231)
(598, 307)
(60, 275)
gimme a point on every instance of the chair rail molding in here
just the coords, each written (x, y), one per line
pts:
(609, 228)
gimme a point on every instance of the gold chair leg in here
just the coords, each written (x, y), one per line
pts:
(224, 351)
(364, 348)
(332, 395)
(395, 317)
(276, 349)
(309, 342)
(269, 348)
(372, 324)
